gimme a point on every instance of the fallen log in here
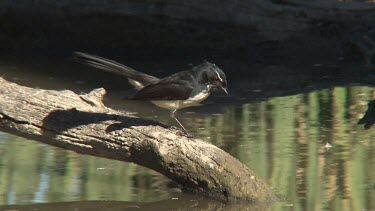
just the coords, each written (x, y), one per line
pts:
(82, 123)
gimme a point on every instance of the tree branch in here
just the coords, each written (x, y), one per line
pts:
(83, 124)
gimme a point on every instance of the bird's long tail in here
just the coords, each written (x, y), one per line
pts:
(115, 68)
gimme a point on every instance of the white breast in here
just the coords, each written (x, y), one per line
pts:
(136, 84)
(178, 104)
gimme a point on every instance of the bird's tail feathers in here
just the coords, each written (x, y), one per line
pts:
(114, 67)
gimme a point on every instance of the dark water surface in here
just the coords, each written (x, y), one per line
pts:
(302, 138)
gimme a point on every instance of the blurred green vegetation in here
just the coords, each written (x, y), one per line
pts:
(32, 172)
(283, 139)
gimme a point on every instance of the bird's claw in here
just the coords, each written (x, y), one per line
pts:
(181, 132)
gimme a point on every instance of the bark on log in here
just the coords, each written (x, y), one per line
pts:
(82, 123)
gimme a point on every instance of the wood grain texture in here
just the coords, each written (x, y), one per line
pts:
(82, 123)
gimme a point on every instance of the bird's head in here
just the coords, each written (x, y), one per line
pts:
(213, 76)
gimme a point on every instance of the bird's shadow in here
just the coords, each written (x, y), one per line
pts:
(63, 120)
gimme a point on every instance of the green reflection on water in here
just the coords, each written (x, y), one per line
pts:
(31, 172)
(282, 139)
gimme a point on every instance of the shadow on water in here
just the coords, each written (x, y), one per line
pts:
(185, 202)
(369, 118)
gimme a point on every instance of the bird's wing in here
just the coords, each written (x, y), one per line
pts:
(115, 68)
(162, 91)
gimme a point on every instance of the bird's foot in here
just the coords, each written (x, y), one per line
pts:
(181, 132)
(188, 135)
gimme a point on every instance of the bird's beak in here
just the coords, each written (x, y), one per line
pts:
(224, 89)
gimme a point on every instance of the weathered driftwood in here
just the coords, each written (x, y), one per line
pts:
(83, 124)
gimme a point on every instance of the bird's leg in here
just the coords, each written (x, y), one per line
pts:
(173, 115)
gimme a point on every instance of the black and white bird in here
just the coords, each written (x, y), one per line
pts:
(180, 90)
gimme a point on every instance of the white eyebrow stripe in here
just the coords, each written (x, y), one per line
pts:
(218, 75)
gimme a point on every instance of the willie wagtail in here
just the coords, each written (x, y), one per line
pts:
(177, 91)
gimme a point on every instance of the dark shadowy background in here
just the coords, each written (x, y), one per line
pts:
(300, 74)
